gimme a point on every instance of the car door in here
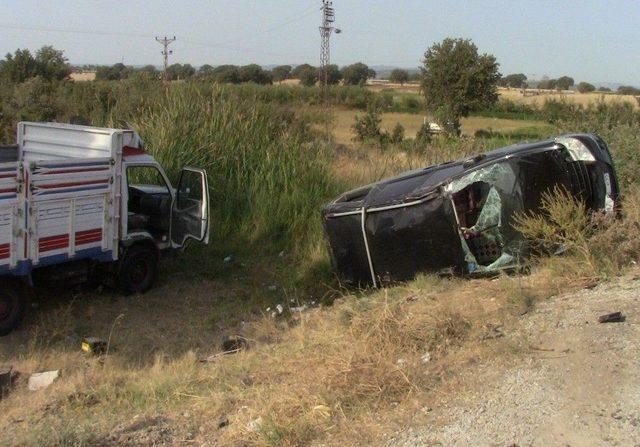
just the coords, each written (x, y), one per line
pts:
(190, 211)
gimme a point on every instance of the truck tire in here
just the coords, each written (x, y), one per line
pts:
(138, 270)
(13, 304)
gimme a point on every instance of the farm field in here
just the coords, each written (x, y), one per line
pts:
(533, 97)
(574, 97)
(344, 119)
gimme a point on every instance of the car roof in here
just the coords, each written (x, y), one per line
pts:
(413, 185)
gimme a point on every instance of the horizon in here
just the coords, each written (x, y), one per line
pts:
(385, 33)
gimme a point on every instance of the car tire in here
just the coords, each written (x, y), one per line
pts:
(138, 270)
(13, 303)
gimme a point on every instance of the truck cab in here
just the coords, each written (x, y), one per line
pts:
(77, 201)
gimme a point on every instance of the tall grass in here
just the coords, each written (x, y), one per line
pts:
(267, 176)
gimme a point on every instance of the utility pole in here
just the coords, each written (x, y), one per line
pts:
(165, 42)
(328, 18)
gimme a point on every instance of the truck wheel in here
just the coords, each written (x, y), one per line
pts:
(12, 306)
(138, 270)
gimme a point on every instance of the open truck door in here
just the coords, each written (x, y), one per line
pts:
(190, 212)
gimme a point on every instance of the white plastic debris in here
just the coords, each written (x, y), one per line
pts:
(268, 309)
(254, 425)
(426, 357)
(279, 308)
(38, 381)
(273, 288)
(228, 259)
(299, 308)
(401, 362)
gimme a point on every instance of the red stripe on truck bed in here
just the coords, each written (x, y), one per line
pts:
(5, 251)
(53, 242)
(88, 236)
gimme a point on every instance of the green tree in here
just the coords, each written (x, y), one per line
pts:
(564, 83)
(205, 71)
(226, 74)
(628, 90)
(115, 72)
(51, 64)
(254, 73)
(334, 76)
(399, 76)
(585, 87)
(456, 80)
(281, 72)
(357, 74)
(515, 80)
(307, 74)
(180, 71)
(604, 89)
(18, 67)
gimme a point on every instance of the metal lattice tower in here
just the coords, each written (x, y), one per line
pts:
(328, 19)
(165, 42)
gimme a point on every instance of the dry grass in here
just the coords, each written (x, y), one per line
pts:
(574, 97)
(321, 374)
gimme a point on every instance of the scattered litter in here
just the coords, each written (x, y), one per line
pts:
(281, 254)
(614, 317)
(426, 358)
(279, 308)
(268, 309)
(273, 287)
(234, 343)
(230, 345)
(401, 362)
(223, 421)
(94, 345)
(299, 308)
(493, 332)
(228, 259)
(254, 425)
(38, 381)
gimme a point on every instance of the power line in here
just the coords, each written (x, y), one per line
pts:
(328, 19)
(165, 42)
(72, 31)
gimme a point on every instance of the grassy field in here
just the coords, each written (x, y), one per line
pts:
(532, 97)
(344, 119)
(349, 368)
(574, 97)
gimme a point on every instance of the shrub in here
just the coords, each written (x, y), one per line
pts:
(367, 126)
(397, 135)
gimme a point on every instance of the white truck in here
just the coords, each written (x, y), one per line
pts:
(76, 201)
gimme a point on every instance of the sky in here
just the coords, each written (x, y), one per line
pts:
(590, 40)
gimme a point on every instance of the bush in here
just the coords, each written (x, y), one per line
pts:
(397, 135)
(367, 126)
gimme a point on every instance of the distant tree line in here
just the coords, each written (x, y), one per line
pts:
(308, 75)
(48, 63)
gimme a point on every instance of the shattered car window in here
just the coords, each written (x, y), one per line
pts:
(485, 201)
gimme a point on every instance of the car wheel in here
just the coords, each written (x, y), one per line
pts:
(12, 306)
(138, 270)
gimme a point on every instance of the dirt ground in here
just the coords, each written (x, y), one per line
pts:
(577, 382)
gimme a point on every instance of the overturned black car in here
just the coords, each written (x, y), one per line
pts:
(458, 217)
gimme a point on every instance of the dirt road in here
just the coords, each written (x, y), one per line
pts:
(577, 384)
